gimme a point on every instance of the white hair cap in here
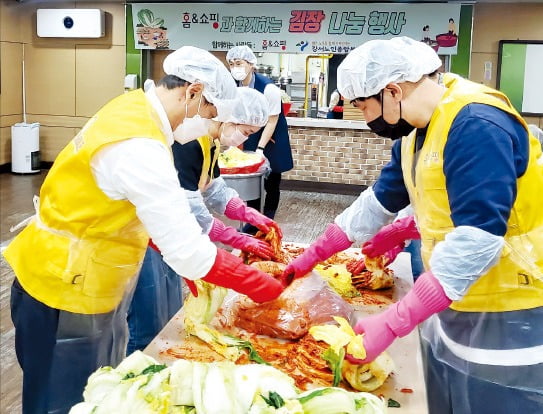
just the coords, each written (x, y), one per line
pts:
(251, 108)
(366, 70)
(241, 52)
(199, 66)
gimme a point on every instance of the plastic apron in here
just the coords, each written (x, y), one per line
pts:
(84, 342)
(157, 298)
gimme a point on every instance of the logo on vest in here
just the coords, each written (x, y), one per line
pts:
(431, 157)
(79, 139)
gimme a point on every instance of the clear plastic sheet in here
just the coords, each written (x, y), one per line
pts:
(306, 302)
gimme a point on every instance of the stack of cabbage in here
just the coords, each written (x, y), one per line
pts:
(139, 385)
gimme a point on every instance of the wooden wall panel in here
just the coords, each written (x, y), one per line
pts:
(11, 78)
(67, 80)
(53, 139)
(50, 74)
(99, 77)
(10, 27)
(5, 145)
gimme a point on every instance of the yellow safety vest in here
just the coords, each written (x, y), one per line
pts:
(208, 165)
(83, 248)
(515, 282)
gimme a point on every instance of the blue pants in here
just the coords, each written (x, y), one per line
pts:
(453, 392)
(58, 350)
(417, 267)
(156, 300)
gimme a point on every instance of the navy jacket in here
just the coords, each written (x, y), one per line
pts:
(278, 153)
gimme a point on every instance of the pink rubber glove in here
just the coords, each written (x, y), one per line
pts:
(230, 236)
(391, 236)
(332, 241)
(426, 298)
(236, 209)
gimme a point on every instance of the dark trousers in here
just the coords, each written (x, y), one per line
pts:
(58, 350)
(156, 300)
(272, 185)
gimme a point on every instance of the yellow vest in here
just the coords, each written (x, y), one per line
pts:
(208, 165)
(515, 282)
(83, 248)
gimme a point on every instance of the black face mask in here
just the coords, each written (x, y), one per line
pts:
(392, 131)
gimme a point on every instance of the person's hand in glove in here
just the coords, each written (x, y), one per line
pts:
(391, 236)
(236, 209)
(230, 236)
(331, 241)
(422, 301)
(229, 271)
(359, 266)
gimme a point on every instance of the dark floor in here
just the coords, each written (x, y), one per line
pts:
(302, 216)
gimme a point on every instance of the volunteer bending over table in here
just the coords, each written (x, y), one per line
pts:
(273, 139)
(110, 189)
(158, 293)
(473, 173)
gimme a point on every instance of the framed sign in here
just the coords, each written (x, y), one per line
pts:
(292, 27)
(520, 73)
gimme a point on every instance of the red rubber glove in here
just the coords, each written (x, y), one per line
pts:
(190, 284)
(230, 236)
(331, 241)
(391, 236)
(236, 209)
(422, 301)
(229, 271)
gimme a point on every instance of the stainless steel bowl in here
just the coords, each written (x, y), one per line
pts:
(249, 186)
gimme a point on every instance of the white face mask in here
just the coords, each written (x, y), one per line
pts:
(192, 128)
(234, 139)
(238, 73)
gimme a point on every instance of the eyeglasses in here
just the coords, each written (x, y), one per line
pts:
(363, 99)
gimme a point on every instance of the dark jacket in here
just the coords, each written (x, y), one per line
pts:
(278, 153)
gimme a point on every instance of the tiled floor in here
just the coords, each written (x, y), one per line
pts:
(302, 216)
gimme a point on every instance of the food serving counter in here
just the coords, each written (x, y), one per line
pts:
(405, 385)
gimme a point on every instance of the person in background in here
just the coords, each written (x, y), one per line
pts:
(111, 188)
(273, 139)
(158, 295)
(472, 171)
(335, 109)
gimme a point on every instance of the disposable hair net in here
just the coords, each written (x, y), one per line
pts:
(199, 66)
(241, 52)
(366, 70)
(251, 108)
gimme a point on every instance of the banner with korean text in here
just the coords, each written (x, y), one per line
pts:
(292, 27)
